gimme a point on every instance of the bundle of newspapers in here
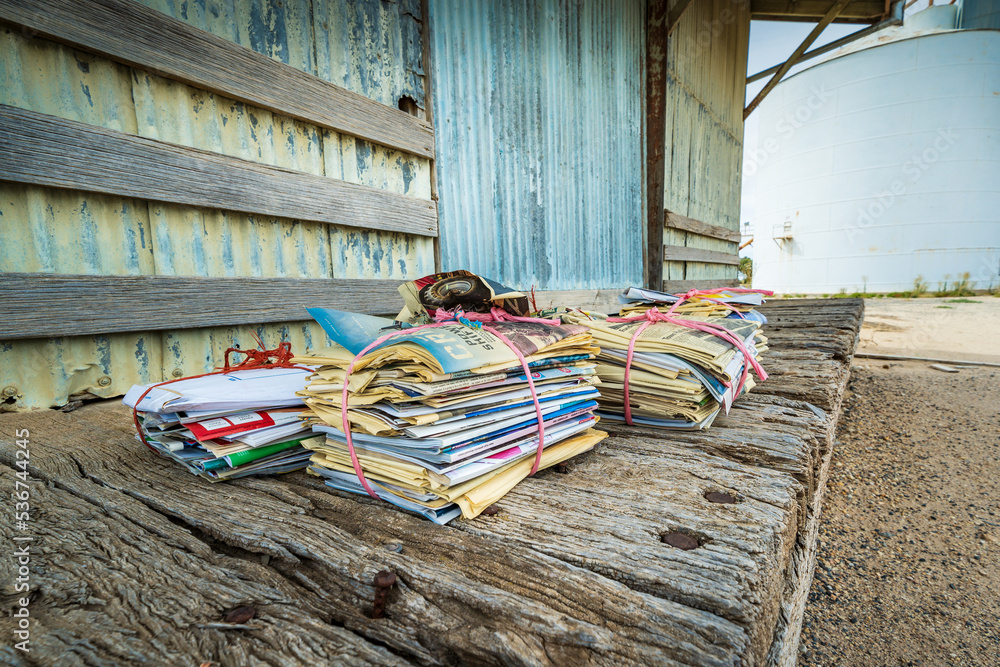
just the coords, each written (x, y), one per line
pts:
(680, 378)
(442, 418)
(230, 425)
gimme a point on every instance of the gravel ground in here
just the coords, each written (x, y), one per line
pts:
(909, 560)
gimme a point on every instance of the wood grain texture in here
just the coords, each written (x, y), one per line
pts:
(858, 11)
(570, 571)
(681, 286)
(677, 221)
(675, 253)
(147, 39)
(45, 150)
(604, 300)
(46, 305)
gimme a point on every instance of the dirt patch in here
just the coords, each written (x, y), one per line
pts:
(946, 328)
(909, 560)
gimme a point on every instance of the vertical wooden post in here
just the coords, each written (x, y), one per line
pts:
(657, 13)
(425, 37)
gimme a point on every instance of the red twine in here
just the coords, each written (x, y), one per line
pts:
(443, 317)
(653, 315)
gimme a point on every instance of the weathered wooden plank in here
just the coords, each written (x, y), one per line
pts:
(45, 305)
(675, 253)
(682, 222)
(571, 570)
(134, 35)
(464, 597)
(682, 286)
(604, 300)
(139, 564)
(45, 150)
(858, 11)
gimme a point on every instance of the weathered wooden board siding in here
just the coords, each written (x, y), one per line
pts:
(42, 305)
(118, 236)
(370, 48)
(41, 149)
(706, 75)
(152, 41)
(570, 571)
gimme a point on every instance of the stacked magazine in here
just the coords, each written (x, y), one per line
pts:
(442, 418)
(680, 378)
(228, 425)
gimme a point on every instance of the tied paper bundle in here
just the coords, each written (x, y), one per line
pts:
(442, 418)
(679, 377)
(226, 425)
(724, 303)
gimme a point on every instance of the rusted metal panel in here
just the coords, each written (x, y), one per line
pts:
(538, 108)
(38, 75)
(706, 79)
(111, 235)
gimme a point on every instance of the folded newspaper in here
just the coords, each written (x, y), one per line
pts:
(680, 378)
(226, 426)
(442, 419)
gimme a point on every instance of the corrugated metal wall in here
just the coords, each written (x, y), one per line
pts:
(368, 46)
(706, 84)
(538, 113)
(979, 14)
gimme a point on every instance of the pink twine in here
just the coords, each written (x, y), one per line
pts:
(495, 315)
(653, 315)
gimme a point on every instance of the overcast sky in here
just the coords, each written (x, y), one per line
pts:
(771, 43)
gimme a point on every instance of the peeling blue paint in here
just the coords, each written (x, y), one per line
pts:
(141, 355)
(89, 246)
(86, 91)
(103, 345)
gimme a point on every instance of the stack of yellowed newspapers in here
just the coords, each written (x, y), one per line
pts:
(680, 378)
(442, 418)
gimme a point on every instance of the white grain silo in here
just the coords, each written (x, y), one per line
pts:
(882, 164)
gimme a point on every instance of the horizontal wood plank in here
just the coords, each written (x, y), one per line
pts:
(38, 305)
(682, 222)
(858, 11)
(674, 253)
(46, 150)
(304, 557)
(603, 300)
(127, 32)
(681, 286)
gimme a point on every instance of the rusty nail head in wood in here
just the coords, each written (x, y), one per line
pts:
(384, 580)
(491, 510)
(720, 497)
(679, 540)
(562, 468)
(393, 546)
(241, 615)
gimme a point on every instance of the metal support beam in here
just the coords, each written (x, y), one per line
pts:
(895, 18)
(796, 55)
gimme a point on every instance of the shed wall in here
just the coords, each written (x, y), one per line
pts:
(538, 108)
(706, 87)
(367, 46)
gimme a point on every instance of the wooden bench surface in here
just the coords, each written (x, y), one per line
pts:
(136, 561)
